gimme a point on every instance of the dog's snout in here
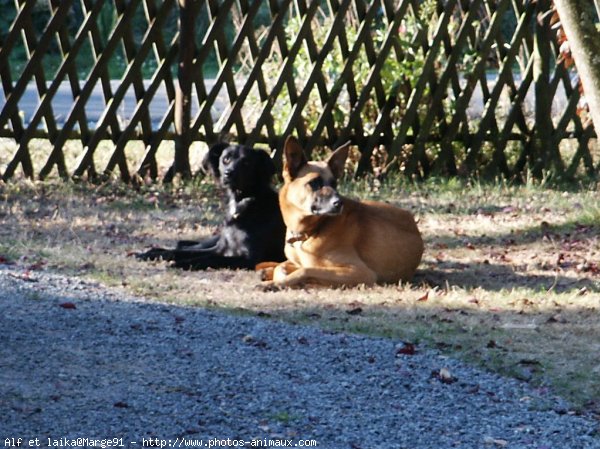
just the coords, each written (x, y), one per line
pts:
(326, 202)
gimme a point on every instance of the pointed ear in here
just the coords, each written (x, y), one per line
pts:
(337, 160)
(294, 157)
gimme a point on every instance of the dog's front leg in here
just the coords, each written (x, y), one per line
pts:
(272, 274)
(283, 271)
(334, 276)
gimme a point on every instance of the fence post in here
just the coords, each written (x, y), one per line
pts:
(544, 152)
(183, 90)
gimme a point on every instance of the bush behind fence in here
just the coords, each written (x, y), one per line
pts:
(422, 87)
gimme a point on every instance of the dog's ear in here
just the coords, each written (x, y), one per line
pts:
(264, 166)
(294, 157)
(337, 160)
(210, 163)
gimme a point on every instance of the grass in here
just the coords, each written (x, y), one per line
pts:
(510, 279)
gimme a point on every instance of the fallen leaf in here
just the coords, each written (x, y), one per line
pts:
(405, 348)
(67, 305)
(495, 441)
(36, 266)
(302, 340)
(529, 362)
(445, 376)
(355, 311)
(473, 389)
(423, 298)
(25, 276)
(250, 340)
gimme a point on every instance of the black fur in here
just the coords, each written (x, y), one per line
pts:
(253, 231)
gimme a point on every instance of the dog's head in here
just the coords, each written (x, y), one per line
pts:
(238, 167)
(311, 185)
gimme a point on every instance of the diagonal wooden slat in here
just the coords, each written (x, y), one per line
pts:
(417, 94)
(372, 78)
(141, 111)
(346, 78)
(441, 88)
(60, 75)
(286, 77)
(225, 60)
(478, 71)
(207, 100)
(316, 76)
(99, 71)
(126, 82)
(65, 49)
(36, 50)
(504, 78)
(255, 76)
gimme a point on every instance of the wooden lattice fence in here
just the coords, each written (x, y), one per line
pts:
(420, 86)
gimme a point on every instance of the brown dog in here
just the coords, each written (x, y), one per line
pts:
(333, 240)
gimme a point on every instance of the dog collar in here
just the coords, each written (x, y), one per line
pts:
(303, 236)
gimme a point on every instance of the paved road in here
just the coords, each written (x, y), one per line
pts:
(63, 102)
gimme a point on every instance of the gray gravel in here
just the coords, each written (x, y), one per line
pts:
(119, 367)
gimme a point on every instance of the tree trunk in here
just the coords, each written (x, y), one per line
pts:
(577, 19)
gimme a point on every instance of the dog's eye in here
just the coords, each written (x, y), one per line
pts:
(316, 184)
(226, 159)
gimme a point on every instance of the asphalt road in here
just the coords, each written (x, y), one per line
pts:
(62, 103)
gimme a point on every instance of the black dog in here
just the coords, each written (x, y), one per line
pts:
(253, 231)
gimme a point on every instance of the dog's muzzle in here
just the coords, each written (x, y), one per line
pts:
(327, 202)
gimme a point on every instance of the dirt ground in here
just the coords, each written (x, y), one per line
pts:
(510, 279)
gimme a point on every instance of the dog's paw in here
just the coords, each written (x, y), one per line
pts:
(266, 274)
(266, 270)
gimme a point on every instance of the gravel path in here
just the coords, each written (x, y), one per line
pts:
(81, 361)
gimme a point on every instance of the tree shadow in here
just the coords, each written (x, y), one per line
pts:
(496, 277)
(568, 232)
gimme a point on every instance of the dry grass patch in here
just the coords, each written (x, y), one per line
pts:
(510, 278)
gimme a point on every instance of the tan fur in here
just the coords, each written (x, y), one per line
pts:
(367, 242)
